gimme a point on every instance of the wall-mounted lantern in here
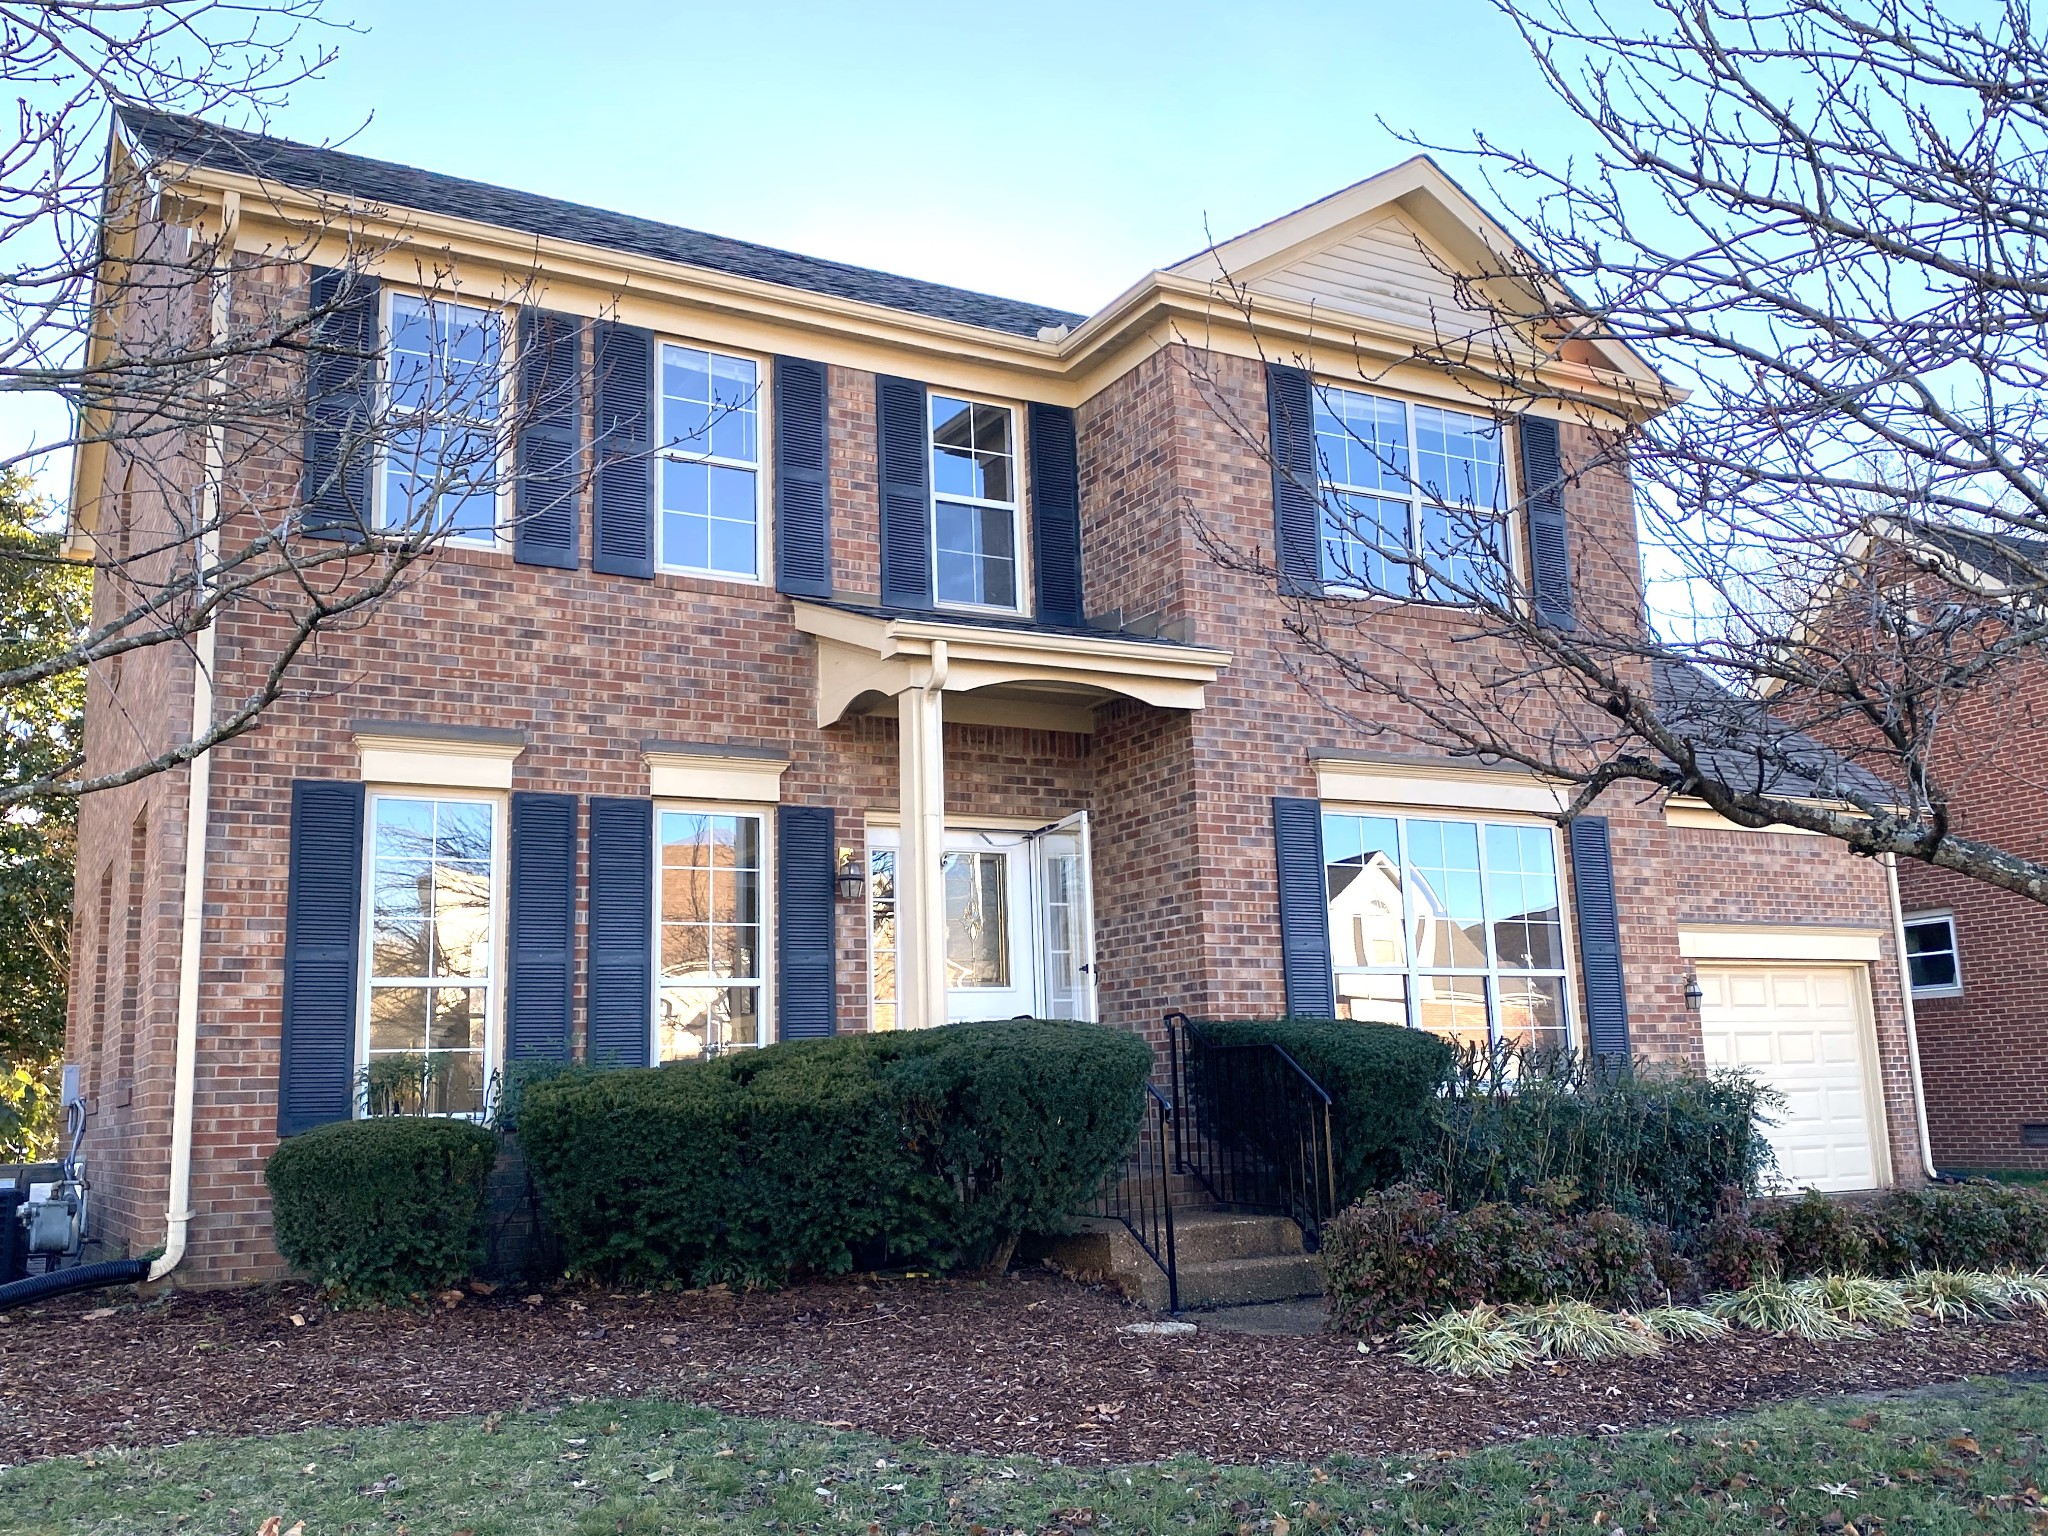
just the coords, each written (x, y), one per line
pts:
(852, 879)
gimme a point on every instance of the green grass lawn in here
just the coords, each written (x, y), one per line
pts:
(1966, 1459)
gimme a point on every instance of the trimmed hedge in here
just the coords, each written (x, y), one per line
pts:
(1404, 1253)
(931, 1148)
(382, 1210)
(1660, 1144)
(1383, 1080)
(1977, 1226)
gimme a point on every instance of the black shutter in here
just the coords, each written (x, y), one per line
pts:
(621, 1003)
(541, 927)
(1550, 561)
(1055, 514)
(1599, 940)
(806, 986)
(1297, 503)
(622, 525)
(341, 404)
(550, 449)
(1304, 909)
(323, 917)
(803, 505)
(905, 452)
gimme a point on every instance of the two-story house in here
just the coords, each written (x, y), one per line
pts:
(869, 668)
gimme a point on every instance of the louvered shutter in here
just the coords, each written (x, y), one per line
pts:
(904, 447)
(1055, 514)
(550, 446)
(1304, 909)
(621, 1002)
(622, 524)
(1297, 507)
(1550, 564)
(803, 506)
(1599, 941)
(807, 994)
(341, 406)
(541, 927)
(323, 919)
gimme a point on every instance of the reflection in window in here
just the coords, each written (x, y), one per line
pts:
(431, 925)
(977, 919)
(1931, 954)
(710, 985)
(882, 937)
(1448, 925)
(442, 384)
(710, 461)
(974, 503)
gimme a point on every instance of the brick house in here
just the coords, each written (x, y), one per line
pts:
(877, 675)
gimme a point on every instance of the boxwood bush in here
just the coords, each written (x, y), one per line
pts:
(1383, 1080)
(932, 1148)
(385, 1209)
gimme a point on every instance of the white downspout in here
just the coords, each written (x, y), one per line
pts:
(199, 782)
(1891, 875)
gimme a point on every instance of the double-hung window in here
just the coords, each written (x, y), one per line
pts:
(1414, 497)
(433, 887)
(974, 503)
(1931, 963)
(710, 462)
(444, 393)
(709, 994)
(1449, 925)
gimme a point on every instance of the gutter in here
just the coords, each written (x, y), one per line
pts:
(1891, 875)
(198, 785)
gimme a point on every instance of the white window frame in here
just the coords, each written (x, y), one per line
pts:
(508, 368)
(493, 983)
(764, 1004)
(1955, 952)
(1015, 507)
(1416, 498)
(665, 450)
(1567, 970)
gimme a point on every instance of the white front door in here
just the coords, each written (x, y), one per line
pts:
(1799, 1029)
(1018, 928)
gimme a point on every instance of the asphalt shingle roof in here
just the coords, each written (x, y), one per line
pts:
(196, 142)
(1739, 742)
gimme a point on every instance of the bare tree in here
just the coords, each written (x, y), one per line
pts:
(191, 358)
(1827, 220)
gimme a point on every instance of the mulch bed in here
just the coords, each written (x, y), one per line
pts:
(1031, 1364)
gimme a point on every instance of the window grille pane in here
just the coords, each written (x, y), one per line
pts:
(882, 936)
(1365, 543)
(1454, 1007)
(1372, 999)
(1449, 918)
(1363, 876)
(977, 919)
(1362, 441)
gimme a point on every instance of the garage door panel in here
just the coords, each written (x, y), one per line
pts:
(1798, 1030)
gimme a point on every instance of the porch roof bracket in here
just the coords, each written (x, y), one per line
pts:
(861, 655)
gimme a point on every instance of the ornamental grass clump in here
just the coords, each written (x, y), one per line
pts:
(1860, 1299)
(1683, 1324)
(2024, 1288)
(1474, 1342)
(1578, 1330)
(1956, 1295)
(1771, 1306)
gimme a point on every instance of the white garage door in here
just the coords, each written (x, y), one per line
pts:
(1799, 1029)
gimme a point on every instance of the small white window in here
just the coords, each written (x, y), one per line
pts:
(710, 462)
(433, 897)
(1414, 496)
(1931, 961)
(443, 390)
(709, 993)
(974, 503)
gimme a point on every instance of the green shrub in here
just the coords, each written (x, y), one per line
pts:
(1403, 1253)
(1971, 1226)
(1383, 1081)
(382, 1210)
(934, 1147)
(1658, 1143)
(1816, 1236)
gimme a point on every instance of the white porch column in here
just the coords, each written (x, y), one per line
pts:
(920, 896)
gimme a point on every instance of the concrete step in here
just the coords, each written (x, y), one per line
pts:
(1202, 1237)
(1240, 1282)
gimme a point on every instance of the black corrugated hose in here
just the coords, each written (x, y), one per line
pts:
(85, 1277)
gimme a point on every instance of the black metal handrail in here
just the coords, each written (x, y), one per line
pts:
(1255, 1127)
(1139, 1194)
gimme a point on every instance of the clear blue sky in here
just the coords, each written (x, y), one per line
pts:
(1052, 151)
